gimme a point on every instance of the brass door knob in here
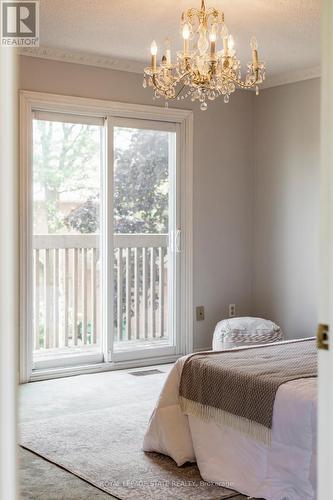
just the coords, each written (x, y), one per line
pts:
(323, 337)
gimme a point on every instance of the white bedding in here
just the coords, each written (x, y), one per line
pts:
(284, 471)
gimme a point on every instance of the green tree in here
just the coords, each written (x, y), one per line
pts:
(85, 218)
(140, 187)
(65, 159)
(141, 184)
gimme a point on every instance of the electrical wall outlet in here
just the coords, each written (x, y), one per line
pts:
(232, 310)
(200, 313)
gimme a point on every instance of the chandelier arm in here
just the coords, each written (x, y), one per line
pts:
(240, 83)
(203, 16)
(173, 84)
(164, 90)
(182, 76)
(180, 91)
(192, 16)
(219, 16)
(191, 13)
(200, 14)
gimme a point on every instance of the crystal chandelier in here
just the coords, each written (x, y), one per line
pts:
(201, 71)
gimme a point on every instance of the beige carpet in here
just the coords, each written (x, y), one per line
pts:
(104, 448)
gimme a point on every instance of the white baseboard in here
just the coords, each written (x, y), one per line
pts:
(39, 375)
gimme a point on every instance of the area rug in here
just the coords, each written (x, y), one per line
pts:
(105, 448)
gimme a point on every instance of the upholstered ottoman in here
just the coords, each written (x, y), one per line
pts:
(236, 332)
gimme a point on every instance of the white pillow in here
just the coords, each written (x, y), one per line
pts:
(235, 332)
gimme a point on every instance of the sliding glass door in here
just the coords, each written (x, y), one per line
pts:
(105, 239)
(67, 200)
(145, 238)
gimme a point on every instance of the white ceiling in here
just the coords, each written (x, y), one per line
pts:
(288, 31)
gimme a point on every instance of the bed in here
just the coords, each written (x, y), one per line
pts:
(283, 470)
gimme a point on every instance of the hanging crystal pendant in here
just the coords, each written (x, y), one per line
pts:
(203, 43)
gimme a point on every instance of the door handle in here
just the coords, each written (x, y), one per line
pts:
(178, 241)
(323, 337)
(174, 241)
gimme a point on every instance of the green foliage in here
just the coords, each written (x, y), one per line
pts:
(65, 161)
(85, 218)
(141, 184)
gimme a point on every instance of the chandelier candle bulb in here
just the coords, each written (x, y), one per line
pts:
(168, 52)
(212, 38)
(153, 51)
(186, 47)
(231, 42)
(254, 47)
(255, 59)
(186, 36)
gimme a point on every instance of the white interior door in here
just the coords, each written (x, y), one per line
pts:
(325, 432)
(146, 239)
(9, 272)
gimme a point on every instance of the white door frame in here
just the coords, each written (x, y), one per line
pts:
(325, 391)
(9, 273)
(30, 101)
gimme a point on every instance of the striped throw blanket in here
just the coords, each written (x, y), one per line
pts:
(238, 387)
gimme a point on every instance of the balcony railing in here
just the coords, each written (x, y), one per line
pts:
(67, 290)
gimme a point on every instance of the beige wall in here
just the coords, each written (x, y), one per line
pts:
(286, 208)
(223, 179)
(256, 176)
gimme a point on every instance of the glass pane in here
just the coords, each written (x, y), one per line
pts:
(142, 219)
(66, 231)
(141, 181)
